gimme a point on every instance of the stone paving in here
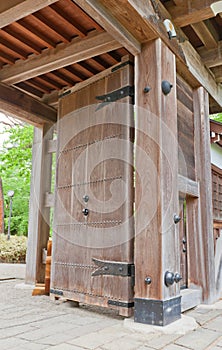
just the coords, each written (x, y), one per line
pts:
(37, 323)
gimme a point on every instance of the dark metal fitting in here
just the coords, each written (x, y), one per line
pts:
(169, 278)
(85, 198)
(148, 280)
(85, 211)
(166, 87)
(177, 277)
(176, 219)
(146, 89)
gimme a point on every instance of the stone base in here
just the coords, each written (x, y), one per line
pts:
(157, 312)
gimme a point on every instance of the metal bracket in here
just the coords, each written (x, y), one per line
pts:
(120, 303)
(115, 95)
(56, 291)
(113, 268)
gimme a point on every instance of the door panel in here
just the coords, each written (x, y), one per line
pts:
(95, 159)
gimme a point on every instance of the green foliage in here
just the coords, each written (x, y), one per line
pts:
(217, 117)
(14, 250)
(15, 171)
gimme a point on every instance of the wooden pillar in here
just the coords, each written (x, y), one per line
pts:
(39, 215)
(200, 212)
(156, 236)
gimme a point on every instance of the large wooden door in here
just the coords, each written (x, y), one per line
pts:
(93, 235)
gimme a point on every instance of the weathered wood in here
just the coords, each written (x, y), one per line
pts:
(39, 215)
(211, 58)
(184, 14)
(51, 146)
(111, 24)
(24, 107)
(13, 10)
(199, 71)
(64, 54)
(49, 200)
(205, 35)
(199, 211)
(156, 138)
(79, 239)
(189, 187)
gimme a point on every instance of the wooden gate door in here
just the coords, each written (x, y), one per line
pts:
(93, 235)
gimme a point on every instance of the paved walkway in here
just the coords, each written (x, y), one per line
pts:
(37, 323)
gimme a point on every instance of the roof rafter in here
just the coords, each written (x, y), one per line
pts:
(211, 58)
(63, 55)
(24, 107)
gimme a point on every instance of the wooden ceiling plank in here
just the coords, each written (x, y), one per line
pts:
(20, 33)
(200, 72)
(20, 50)
(211, 58)
(60, 79)
(190, 12)
(22, 9)
(34, 83)
(6, 58)
(205, 35)
(63, 55)
(73, 71)
(44, 22)
(110, 24)
(78, 28)
(20, 105)
(11, 51)
(33, 32)
(45, 80)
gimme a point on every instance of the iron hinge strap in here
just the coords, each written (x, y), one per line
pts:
(113, 268)
(56, 291)
(115, 96)
(120, 303)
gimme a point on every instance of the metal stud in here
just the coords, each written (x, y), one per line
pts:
(146, 89)
(166, 87)
(148, 280)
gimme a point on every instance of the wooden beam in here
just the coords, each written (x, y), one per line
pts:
(217, 71)
(211, 58)
(200, 72)
(205, 35)
(62, 55)
(24, 107)
(12, 11)
(189, 12)
(188, 186)
(110, 24)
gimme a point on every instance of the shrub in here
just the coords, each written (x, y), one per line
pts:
(14, 250)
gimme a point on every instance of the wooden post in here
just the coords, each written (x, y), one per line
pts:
(156, 236)
(200, 212)
(39, 215)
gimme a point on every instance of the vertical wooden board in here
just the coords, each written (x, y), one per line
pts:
(161, 182)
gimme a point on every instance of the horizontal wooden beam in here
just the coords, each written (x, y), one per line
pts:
(201, 73)
(211, 58)
(63, 55)
(205, 35)
(188, 186)
(217, 71)
(16, 103)
(97, 11)
(189, 12)
(13, 10)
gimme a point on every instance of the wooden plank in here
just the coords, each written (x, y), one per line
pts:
(185, 14)
(199, 71)
(39, 215)
(211, 58)
(51, 146)
(49, 200)
(188, 186)
(110, 24)
(205, 35)
(24, 107)
(11, 11)
(217, 71)
(202, 273)
(155, 112)
(64, 54)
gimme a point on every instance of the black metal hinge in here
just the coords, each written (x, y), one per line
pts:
(113, 268)
(56, 291)
(115, 95)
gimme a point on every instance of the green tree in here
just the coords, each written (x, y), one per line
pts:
(217, 117)
(15, 171)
